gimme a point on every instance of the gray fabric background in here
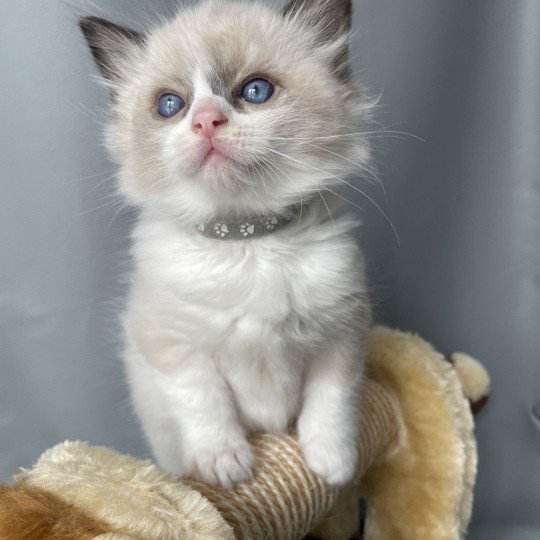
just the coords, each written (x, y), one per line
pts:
(463, 75)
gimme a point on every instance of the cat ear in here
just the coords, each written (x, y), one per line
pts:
(112, 46)
(332, 20)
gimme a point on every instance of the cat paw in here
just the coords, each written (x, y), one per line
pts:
(224, 466)
(334, 461)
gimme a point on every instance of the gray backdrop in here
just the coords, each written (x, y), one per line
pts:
(463, 75)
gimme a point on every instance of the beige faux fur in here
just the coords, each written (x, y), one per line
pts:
(28, 513)
(425, 490)
(473, 375)
(420, 488)
(131, 495)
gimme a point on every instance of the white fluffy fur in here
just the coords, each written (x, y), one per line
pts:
(225, 338)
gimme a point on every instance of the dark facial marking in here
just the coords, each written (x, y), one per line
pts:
(223, 78)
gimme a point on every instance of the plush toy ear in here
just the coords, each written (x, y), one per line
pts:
(332, 19)
(112, 46)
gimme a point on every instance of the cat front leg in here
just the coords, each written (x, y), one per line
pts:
(214, 446)
(328, 422)
(188, 415)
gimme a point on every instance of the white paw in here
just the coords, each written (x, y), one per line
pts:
(333, 460)
(226, 465)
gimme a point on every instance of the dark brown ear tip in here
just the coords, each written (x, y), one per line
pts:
(90, 24)
(86, 26)
(92, 27)
(294, 6)
(91, 20)
(109, 43)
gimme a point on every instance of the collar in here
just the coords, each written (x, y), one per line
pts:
(248, 228)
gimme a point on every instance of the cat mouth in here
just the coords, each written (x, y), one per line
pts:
(212, 153)
(214, 156)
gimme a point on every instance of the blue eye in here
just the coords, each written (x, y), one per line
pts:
(170, 105)
(258, 91)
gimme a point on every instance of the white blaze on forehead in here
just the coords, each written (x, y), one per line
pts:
(201, 86)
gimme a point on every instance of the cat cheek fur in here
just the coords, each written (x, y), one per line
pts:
(223, 338)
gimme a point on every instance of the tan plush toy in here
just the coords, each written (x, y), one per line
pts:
(416, 471)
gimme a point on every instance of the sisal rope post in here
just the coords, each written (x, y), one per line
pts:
(284, 500)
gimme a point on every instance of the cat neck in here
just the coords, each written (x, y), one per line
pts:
(249, 227)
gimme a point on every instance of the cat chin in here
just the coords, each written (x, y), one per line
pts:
(193, 203)
(214, 159)
(213, 156)
(217, 166)
(218, 189)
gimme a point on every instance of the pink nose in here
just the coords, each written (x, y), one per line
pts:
(207, 119)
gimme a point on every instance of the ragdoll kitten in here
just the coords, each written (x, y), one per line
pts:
(247, 309)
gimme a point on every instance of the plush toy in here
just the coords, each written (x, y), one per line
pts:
(416, 472)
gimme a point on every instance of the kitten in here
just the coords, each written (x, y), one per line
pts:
(247, 309)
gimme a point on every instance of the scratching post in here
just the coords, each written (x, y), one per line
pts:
(285, 499)
(416, 470)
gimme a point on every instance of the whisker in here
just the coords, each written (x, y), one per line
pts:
(262, 179)
(121, 208)
(267, 161)
(99, 184)
(108, 204)
(369, 171)
(331, 175)
(327, 208)
(361, 209)
(353, 134)
(87, 113)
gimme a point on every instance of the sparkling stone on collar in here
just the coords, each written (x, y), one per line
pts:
(246, 229)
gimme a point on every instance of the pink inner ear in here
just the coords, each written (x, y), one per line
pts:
(207, 118)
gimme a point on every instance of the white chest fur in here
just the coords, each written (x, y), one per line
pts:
(249, 313)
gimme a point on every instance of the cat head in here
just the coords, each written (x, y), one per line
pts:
(231, 108)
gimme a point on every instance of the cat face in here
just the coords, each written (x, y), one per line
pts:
(231, 108)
